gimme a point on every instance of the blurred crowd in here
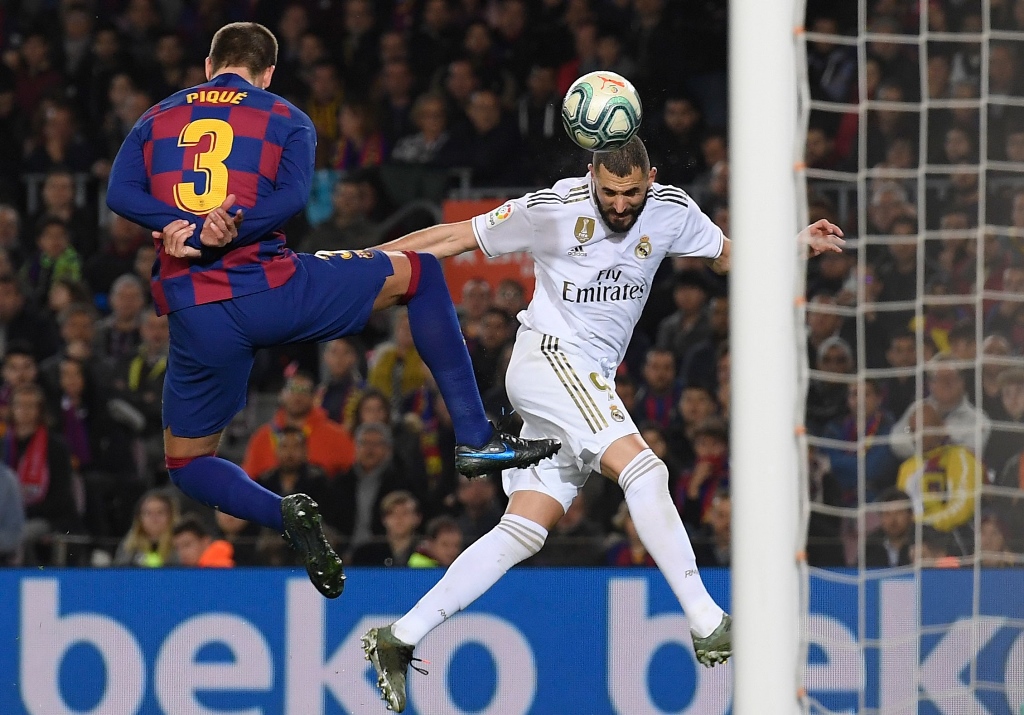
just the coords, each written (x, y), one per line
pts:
(414, 99)
(916, 400)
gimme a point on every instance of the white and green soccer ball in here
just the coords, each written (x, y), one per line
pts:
(601, 111)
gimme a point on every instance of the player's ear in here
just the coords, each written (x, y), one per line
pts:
(267, 74)
(209, 69)
(652, 175)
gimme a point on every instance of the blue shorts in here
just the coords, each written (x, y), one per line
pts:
(213, 345)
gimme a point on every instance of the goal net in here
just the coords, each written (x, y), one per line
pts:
(914, 420)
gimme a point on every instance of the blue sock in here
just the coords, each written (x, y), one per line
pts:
(223, 485)
(439, 341)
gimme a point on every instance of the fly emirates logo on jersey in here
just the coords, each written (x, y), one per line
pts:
(606, 289)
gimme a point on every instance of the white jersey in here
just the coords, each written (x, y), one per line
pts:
(592, 283)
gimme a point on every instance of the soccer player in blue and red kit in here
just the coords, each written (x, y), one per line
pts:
(189, 169)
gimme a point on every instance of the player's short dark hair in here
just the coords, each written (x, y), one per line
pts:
(50, 220)
(713, 427)
(244, 44)
(191, 524)
(622, 161)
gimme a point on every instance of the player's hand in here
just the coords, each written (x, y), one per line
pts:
(220, 227)
(821, 236)
(174, 236)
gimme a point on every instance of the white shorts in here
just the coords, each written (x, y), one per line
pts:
(560, 392)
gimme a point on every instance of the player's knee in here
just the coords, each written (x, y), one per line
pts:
(646, 469)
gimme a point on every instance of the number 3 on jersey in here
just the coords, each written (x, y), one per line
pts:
(209, 162)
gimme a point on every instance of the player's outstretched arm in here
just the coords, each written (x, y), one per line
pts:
(443, 240)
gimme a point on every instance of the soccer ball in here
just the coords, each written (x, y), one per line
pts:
(601, 111)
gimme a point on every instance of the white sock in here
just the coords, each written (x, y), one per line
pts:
(479, 567)
(644, 481)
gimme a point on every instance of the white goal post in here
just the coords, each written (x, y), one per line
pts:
(766, 525)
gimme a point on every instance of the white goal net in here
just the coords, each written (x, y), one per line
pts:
(914, 372)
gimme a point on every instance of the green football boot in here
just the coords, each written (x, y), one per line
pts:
(391, 658)
(304, 532)
(717, 647)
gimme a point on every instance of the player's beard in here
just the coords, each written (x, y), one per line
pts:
(620, 223)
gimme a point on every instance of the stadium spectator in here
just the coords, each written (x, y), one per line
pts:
(948, 397)
(400, 515)
(359, 142)
(121, 244)
(891, 545)
(100, 450)
(396, 94)
(1006, 440)
(329, 444)
(879, 463)
(479, 511)
(991, 394)
(373, 406)
(490, 145)
(936, 549)
(476, 298)
(548, 153)
(710, 472)
(12, 517)
(675, 147)
(242, 535)
(150, 541)
(293, 474)
(397, 369)
(356, 48)
(658, 394)
(993, 544)
(195, 546)
(138, 386)
(341, 380)
(628, 550)
(696, 404)
(441, 546)
(53, 259)
(42, 461)
(58, 201)
(832, 68)
(57, 143)
(826, 395)
(354, 497)
(347, 228)
(1007, 316)
(510, 296)
(941, 481)
(431, 143)
(20, 322)
(712, 544)
(479, 48)
(433, 43)
(323, 104)
(900, 391)
(688, 325)
(118, 336)
(19, 369)
(575, 540)
(35, 76)
(491, 347)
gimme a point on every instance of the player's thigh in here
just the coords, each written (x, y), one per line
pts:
(561, 393)
(185, 447)
(208, 366)
(331, 295)
(543, 492)
(537, 506)
(396, 286)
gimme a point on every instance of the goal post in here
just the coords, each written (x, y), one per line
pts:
(766, 522)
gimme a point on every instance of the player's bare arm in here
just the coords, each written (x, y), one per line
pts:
(722, 264)
(820, 237)
(443, 240)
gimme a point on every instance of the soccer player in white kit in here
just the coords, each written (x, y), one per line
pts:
(596, 242)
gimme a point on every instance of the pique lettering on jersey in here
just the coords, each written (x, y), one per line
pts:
(602, 292)
(216, 96)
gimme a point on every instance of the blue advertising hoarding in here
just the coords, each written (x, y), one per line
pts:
(544, 641)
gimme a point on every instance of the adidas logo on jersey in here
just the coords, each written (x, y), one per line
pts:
(576, 252)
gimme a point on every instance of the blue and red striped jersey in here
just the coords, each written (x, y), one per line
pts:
(186, 155)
